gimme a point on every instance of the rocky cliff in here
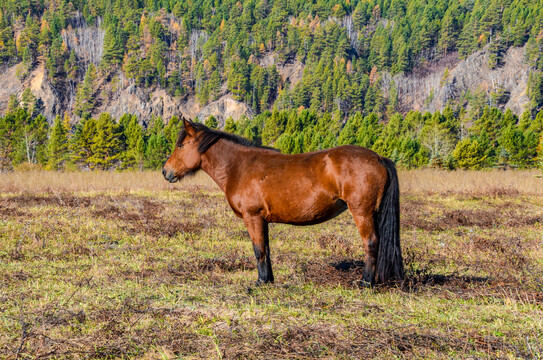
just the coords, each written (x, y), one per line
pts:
(142, 102)
(428, 88)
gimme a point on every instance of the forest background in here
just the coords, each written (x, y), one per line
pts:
(353, 59)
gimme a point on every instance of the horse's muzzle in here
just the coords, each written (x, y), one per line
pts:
(169, 175)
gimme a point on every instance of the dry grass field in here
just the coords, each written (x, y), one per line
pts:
(126, 265)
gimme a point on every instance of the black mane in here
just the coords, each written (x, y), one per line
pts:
(208, 137)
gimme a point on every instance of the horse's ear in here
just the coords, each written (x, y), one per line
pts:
(188, 127)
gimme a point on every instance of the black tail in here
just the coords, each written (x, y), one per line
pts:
(389, 259)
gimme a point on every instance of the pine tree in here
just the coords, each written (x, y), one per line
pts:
(13, 103)
(84, 100)
(273, 127)
(535, 89)
(156, 152)
(471, 153)
(29, 101)
(214, 85)
(539, 150)
(105, 143)
(113, 46)
(449, 32)
(57, 147)
(230, 125)
(369, 131)
(495, 53)
(467, 41)
(82, 142)
(211, 122)
(171, 131)
(70, 66)
(517, 148)
(56, 58)
(347, 136)
(285, 143)
(132, 156)
(237, 80)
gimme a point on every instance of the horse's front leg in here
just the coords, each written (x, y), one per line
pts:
(258, 230)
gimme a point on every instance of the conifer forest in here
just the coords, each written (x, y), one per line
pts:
(349, 53)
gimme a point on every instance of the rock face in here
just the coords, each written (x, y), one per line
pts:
(432, 91)
(424, 89)
(289, 72)
(9, 84)
(47, 96)
(223, 108)
(145, 104)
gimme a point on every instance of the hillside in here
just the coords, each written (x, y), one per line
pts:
(430, 91)
(233, 58)
(103, 84)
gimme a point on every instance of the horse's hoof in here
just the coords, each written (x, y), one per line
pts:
(365, 284)
(261, 282)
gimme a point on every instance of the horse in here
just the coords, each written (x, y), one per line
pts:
(264, 186)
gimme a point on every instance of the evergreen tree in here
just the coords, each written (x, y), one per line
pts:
(214, 85)
(29, 102)
(495, 53)
(211, 122)
(535, 89)
(113, 46)
(156, 152)
(273, 127)
(133, 135)
(517, 148)
(472, 153)
(369, 131)
(55, 59)
(230, 125)
(171, 131)
(448, 35)
(84, 101)
(83, 142)
(13, 103)
(237, 80)
(347, 136)
(539, 150)
(57, 147)
(104, 147)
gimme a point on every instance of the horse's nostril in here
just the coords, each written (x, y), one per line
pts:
(163, 172)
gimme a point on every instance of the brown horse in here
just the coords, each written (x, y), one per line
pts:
(264, 186)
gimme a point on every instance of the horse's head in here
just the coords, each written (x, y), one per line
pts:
(186, 158)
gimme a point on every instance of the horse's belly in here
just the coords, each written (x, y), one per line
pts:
(305, 212)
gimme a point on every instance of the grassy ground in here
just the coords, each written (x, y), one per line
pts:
(127, 265)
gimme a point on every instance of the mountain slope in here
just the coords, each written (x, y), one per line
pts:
(322, 55)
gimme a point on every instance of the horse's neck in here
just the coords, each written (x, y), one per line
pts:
(219, 161)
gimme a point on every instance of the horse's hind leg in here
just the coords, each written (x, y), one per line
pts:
(366, 228)
(258, 230)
